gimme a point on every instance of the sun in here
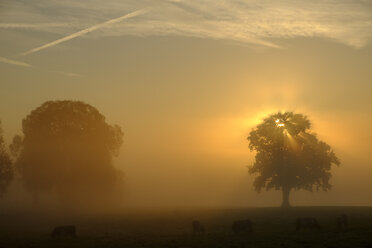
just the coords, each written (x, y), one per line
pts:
(278, 123)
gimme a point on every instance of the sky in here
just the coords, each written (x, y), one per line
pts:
(188, 80)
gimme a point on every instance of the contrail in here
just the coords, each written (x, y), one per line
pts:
(14, 62)
(85, 31)
(33, 25)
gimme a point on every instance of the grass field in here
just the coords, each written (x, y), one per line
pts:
(272, 227)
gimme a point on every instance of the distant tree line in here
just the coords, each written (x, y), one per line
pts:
(6, 170)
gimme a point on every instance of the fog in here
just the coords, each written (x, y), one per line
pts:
(186, 114)
(205, 164)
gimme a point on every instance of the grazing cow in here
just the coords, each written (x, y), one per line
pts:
(307, 223)
(64, 232)
(242, 226)
(197, 227)
(342, 222)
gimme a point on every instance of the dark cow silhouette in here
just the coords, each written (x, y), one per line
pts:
(242, 226)
(342, 222)
(197, 227)
(64, 231)
(307, 223)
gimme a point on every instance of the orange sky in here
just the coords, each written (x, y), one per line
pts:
(187, 90)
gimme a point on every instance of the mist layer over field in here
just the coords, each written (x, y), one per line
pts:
(186, 83)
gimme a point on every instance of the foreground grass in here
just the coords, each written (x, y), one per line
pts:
(273, 227)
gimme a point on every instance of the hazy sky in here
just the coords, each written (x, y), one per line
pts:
(187, 80)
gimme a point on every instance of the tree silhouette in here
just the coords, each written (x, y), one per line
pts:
(67, 148)
(6, 169)
(289, 156)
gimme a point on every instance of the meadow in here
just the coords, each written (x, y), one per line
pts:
(171, 227)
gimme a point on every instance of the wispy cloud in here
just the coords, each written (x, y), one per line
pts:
(14, 62)
(69, 74)
(23, 64)
(85, 31)
(259, 22)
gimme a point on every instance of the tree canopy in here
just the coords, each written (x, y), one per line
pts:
(290, 156)
(6, 169)
(67, 148)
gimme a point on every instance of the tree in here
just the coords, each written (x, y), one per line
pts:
(6, 169)
(289, 156)
(67, 148)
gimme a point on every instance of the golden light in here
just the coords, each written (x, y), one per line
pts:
(278, 123)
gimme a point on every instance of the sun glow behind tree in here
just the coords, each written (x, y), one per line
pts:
(289, 156)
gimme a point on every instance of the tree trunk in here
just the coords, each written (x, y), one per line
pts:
(285, 191)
